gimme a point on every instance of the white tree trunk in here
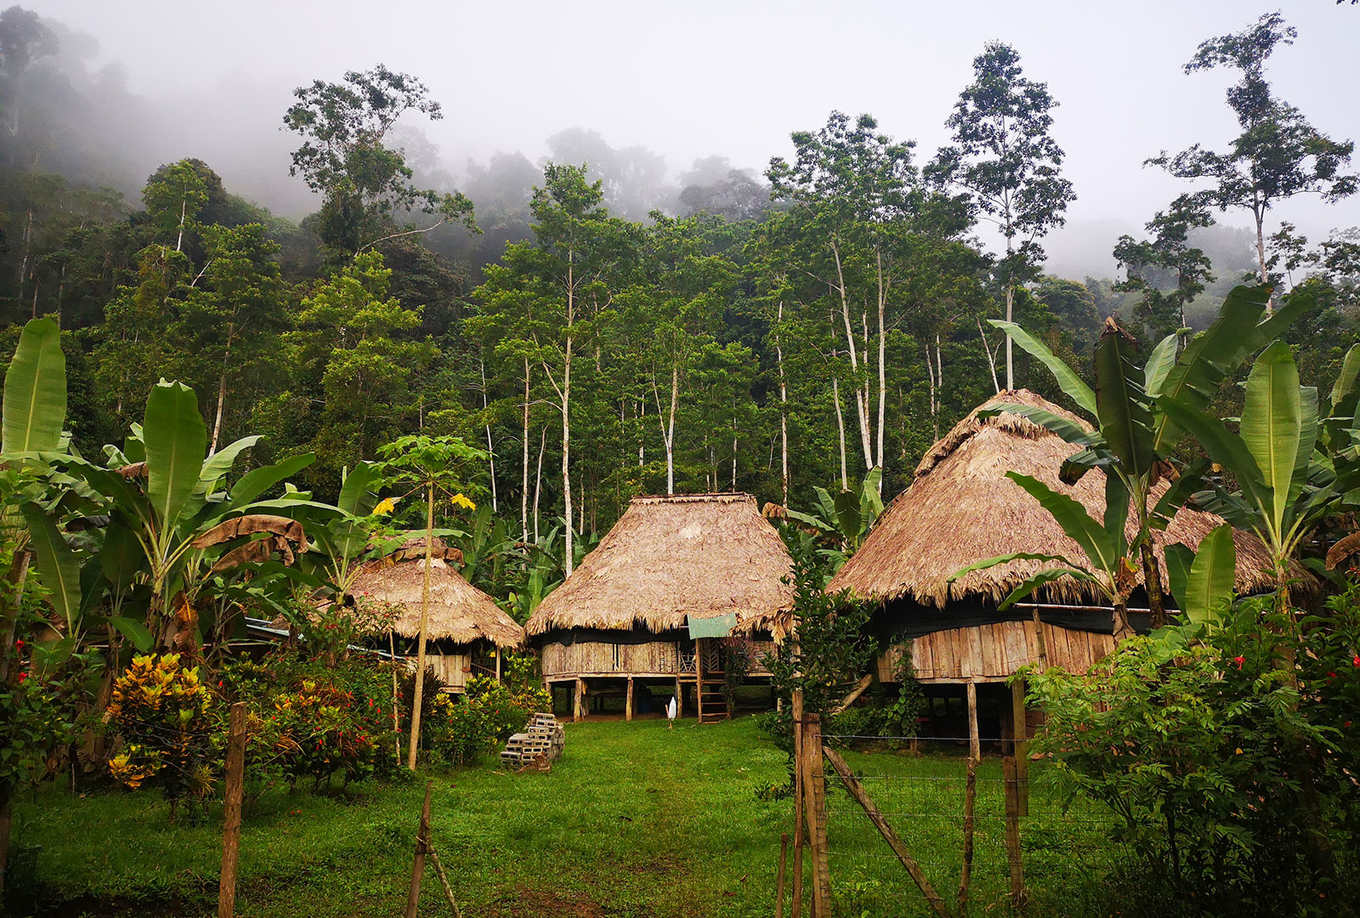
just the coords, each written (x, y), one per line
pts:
(490, 454)
(1010, 357)
(882, 366)
(538, 476)
(840, 428)
(783, 412)
(524, 490)
(861, 407)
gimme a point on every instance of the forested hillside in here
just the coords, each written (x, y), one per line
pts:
(602, 328)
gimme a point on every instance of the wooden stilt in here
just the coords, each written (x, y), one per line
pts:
(814, 786)
(1020, 741)
(578, 699)
(628, 702)
(679, 699)
(974, 744)
(699, 678)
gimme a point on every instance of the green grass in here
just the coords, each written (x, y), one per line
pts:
(633, 820)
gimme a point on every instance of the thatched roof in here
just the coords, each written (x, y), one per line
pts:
(672, 558)
(458, 611)
(961, 509)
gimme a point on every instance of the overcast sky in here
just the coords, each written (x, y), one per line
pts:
(733, 78)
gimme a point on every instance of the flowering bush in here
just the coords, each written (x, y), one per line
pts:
(1231, 770)
(162, 711)
(460, 732)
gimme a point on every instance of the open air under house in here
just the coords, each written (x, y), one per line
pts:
(678, 586)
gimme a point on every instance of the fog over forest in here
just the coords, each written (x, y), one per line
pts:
(670, 86)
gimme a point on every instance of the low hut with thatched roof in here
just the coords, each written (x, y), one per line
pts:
(961, 508)
(463, 625)
(661, 600)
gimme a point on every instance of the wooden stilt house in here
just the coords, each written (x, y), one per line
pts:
(660, 600)
(464, 627)
(961, 509)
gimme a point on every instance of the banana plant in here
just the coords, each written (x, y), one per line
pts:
(841, 523)
(1202, 581)
(1133, 434)
(1285, 486)
(170, 523)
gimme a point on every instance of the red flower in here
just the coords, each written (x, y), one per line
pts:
(19, 645)
(1238, 661)
(23, 676)
(1331, 675)
(1356, 661)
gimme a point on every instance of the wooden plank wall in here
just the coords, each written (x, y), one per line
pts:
(451, 668)
(995, 650)
(661, 658)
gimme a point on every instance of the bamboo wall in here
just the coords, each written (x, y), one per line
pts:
(994, 651)
(655, 658)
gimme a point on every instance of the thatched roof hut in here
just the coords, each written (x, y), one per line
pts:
(653, 603)
(669, 561)
(962, 508)
(458, 612)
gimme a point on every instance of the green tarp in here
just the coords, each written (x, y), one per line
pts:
(720, 626)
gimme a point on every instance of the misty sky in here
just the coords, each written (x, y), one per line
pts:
(732, 78)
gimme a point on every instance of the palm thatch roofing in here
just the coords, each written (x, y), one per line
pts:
(457, 612)
(670, 559)
(961, 509)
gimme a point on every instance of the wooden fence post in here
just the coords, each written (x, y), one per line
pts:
(798, 803)
(418, 867)
(974, 744)
(814, 785)
(1020, 739)
(1017, 871)
(969, 807)
(231, 818)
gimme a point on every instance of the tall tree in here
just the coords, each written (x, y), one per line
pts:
(1005, 158)
(1278, 155)
(1168, 254)
(343, 157)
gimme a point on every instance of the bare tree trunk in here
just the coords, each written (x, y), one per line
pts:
(222, 389)
(1010, 361)
(783, 411)
(861, 409)
(930, 380)
(538, 476)
(524, 490)
(183, 213)
(840, 428)
(882, 365)
(491, 455)
(566, 410)
(939, 384)
(991, 359)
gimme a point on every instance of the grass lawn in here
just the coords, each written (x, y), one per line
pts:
(633, 820)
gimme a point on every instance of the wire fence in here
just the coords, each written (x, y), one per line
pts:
(1067, 847)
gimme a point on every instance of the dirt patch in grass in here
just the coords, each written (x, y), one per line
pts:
(538, 901)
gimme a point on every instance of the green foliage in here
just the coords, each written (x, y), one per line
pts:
(832, 649)
(460, 731)
(1209, 752)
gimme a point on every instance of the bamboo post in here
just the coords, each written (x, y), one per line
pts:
(418, 866)
(497, 652)
(779, 880)
(679, 699)
(974, 744)
(231, 820)
(1020, 741)
(969, 805)
(578, 691)
(814, 785)
(628, 702)
(798, 803)
(856, 791)
(1017, 872)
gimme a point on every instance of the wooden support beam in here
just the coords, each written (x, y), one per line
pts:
(578, 700)
(899, 848)
(628, 701)
(974, 744)
(679, 699)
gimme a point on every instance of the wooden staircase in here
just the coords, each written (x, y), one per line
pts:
(709, 681)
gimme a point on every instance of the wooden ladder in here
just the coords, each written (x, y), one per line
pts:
(708, 689)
